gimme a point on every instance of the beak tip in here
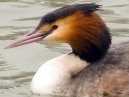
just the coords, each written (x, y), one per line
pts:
(7, 47)
(25, 40)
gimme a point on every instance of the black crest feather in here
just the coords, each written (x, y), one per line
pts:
(66, 11)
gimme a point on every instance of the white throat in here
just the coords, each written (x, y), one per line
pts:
(55, 75)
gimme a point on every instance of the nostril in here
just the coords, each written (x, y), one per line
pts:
(54, 27)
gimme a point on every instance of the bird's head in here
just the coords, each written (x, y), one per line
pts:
(77, 25)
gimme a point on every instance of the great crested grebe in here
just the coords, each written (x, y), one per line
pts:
(86, 70)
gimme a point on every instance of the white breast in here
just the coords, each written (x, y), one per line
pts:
(55, 75)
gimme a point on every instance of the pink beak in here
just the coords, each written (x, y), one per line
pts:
(29, 38)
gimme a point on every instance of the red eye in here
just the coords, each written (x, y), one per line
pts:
(54, 27)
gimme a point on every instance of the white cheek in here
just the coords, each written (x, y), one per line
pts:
(57, 34)
(51, 37)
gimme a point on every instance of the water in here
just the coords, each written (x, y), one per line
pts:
(17, 17)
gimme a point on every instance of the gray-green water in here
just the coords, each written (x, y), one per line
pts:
(17, 17)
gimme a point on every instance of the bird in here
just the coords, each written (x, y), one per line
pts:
(92, 67)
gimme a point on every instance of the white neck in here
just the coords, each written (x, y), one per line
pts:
(55, 75)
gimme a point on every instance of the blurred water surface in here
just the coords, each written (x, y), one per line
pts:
(17, 17)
